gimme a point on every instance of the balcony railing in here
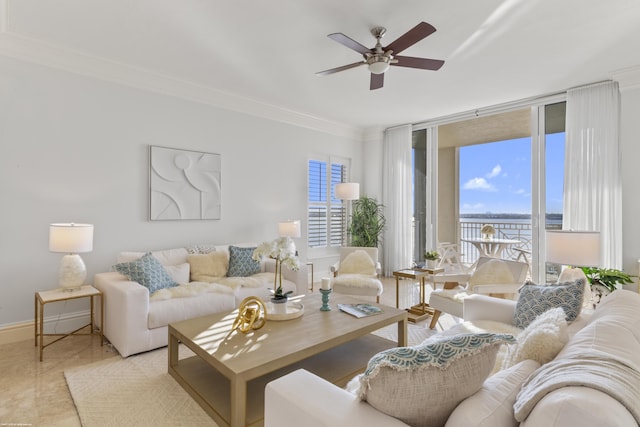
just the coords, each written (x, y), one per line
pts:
(504, 230)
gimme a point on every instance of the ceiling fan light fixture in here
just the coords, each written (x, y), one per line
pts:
(378, 65)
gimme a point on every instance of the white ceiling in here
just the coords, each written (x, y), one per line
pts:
(495, 51)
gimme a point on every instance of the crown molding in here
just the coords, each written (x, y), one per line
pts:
(627, 78)
(36, 51)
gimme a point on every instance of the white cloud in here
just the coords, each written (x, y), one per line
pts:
(495, 171)
(478, 184)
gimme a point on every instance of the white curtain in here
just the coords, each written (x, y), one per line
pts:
(431, 209)
(397, 199)
(592, 180)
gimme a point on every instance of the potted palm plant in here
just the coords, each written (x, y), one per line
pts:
(367, 222)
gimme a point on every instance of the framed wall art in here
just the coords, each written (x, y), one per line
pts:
(184, 184)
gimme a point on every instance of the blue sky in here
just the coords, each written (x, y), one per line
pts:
(496, 177)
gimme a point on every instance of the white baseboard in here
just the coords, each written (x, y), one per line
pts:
(58, 324)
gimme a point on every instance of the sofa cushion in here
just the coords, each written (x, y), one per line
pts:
(414, 384)
(533, 300)
(241, 263)
(604, 356)
(492, 405)
(148, 272)
(215, 300)
(208, 267)
(358, 262)
(541, 341)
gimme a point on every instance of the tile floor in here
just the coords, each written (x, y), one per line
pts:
(35, 393)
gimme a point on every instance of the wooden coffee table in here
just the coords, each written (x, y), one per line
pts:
(230, 369)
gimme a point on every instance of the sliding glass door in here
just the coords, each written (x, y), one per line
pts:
(504, 169)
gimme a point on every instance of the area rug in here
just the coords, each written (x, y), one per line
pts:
(138, 391)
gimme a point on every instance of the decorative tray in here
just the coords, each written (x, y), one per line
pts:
(294, 310)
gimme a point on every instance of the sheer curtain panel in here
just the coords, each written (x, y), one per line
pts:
(396, 197)
(592, 181)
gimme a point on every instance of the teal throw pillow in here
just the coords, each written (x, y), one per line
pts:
(147, 271)
(241, 262)
(536, 299)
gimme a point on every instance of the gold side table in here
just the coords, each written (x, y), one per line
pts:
(56, 295)
(421, 310)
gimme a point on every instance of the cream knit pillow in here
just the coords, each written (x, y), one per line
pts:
(208, 267)
(541, 341)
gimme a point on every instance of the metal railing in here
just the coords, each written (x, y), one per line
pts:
(520, 231)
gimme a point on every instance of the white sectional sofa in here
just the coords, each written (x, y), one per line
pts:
(136, 321)
(594, 380)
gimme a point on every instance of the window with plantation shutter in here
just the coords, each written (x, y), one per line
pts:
(326, 215)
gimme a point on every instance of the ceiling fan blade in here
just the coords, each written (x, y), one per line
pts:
(349, 42)
(411, 37)
(421, 63)
(377, 80)
(344, 67)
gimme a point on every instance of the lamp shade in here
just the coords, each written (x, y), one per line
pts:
(347, 191)
(71, 238)
(290, 228)
(574, 248)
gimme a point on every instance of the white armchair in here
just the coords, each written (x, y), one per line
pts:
(357, 272)
(492, 276)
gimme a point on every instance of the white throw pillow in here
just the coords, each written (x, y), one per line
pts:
(179, 273)
(422, 385)
(492, 272)
(358, 262)
(492, 405)
(541, 341)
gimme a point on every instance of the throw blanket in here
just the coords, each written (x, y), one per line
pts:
(609, 376)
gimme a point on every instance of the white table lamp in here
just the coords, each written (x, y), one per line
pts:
(71, 239)
(289, 228)
(574, 249)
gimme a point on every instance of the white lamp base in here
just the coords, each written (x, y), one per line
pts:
(72, 272)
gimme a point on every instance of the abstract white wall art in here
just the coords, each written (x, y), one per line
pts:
(184, 184)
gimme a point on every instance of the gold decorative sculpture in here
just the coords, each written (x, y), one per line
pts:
(252, 314)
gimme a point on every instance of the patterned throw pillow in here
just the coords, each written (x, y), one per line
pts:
(148, 272)
(241, 263)
(422, 385)
(536, 299)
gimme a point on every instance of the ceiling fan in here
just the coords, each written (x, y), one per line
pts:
(380, 58)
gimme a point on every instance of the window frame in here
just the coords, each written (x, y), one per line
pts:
(334, 234)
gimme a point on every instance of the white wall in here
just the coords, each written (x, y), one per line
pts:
(74, 148)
